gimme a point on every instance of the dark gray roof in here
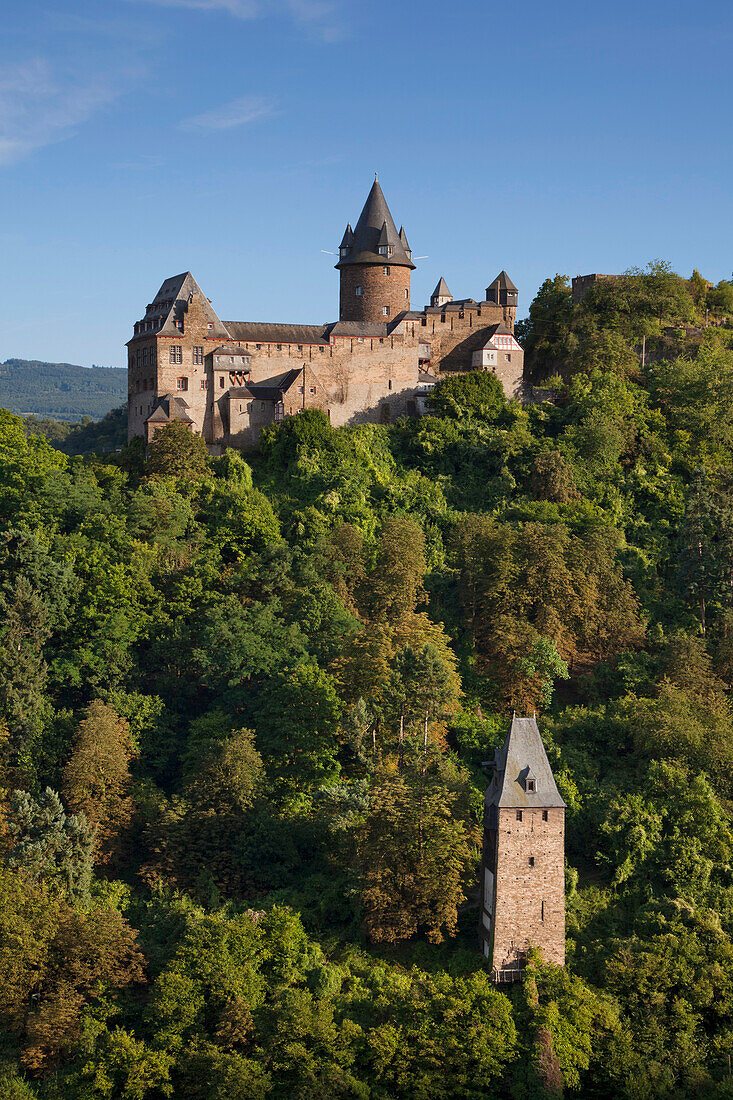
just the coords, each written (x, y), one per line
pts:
(358, 328)
(502, 282)
(375, 225)
(272, 389)
(347, 237)
(441, 290)
(523, 757)
(240, 392)
(263, 332)
(230, 349)
(171, 303)
(405, 242)
(499, 329)
(167, 408)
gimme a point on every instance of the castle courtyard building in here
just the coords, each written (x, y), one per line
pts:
(229, 379)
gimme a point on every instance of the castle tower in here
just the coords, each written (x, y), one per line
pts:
(504, 293)
(441, 294)
(523, 864)
(375, 264)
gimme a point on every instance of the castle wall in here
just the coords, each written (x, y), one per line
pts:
(378, 290)
(529, 898)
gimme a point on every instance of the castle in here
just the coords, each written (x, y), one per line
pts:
(229, 379)
(522, 898)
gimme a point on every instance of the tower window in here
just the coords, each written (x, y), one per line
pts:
(385, 311)
(176, 353)
(385, 271)
(198, 356)
(358, 292)
(531, 861)
(221, 381)
(531, 784)
(383, 250)
(544, 815)
(407, 293)
(542, 911)
(390, 384)
(519, 815)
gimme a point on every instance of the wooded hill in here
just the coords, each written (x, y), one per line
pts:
(231, 864)
(60, 391)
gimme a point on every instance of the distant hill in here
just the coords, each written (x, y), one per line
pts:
(87, 437)
(60, 391)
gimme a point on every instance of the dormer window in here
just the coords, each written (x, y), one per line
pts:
(383, 250)
(343, 251)
(532, 785)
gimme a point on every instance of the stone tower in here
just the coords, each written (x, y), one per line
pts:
(375, 264)
(504, 293)
(523, 865)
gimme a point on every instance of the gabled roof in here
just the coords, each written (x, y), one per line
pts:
(358, 328)
(171, 303)
(441, 290)
(523, 757)
(502, 282)
(168, 407)
(263, 332)
(374, 227)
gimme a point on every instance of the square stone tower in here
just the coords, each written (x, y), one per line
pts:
(523, 865)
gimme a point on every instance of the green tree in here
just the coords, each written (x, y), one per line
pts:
(49, 845)
(176, 451)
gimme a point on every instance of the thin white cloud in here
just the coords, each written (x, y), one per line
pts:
(230, 115)
(38, 108)
(320, 17)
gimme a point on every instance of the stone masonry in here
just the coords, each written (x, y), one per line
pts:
(229, 379)
(523, 867)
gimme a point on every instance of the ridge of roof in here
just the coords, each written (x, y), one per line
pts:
(502, 281)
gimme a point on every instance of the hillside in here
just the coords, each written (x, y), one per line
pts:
(85, 437)
(244, 707)
(60, 391)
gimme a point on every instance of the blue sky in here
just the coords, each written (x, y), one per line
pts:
(235, 138)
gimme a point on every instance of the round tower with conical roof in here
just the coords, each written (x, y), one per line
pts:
(375, 262)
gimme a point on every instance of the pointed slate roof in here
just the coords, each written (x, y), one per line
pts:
(523, 757)
(441, 290)
(405, 242)
(502, 282)
(168, 408)
(169, 306)
(375, 226)
(348, 236)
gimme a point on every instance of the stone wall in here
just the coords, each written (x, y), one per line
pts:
(529, 891)
(378, 290)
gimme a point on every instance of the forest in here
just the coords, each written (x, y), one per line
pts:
(245, 701)
(60, 391)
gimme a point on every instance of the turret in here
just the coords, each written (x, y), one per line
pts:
(375, 264)
(441, 294)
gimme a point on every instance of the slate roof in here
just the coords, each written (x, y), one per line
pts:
(500, 330)
(269, 389)
(375, 226)
(502, 282)
(170, 305)
(168, 408)
(441, 290)
(523, 756)
(263, 332)
(227, 349)
(358, 328)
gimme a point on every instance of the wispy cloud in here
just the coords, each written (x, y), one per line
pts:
(319, 17)
(230, 115)
(38, 108)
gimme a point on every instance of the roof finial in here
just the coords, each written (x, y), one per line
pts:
(376, 178)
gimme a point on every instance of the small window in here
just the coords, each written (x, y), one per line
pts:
(221, 382)
(321, 349)
(176, 353)
(358, 292)
(300, 347)
(145, 357)
(519, 815)
(542, 910)
(531, 861)
(181, 383)
(300, 389)
(210, 326)
(385, 311)
(531, 784)
(508, 358)
(360, 339)
(279, 347)
(383, 250)
(544, 815)
(204, 383)
(381, 339)
(312, 389)
(407, 293)
(385, 271)
(198, 356)
(263, 404)
(389, 384)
